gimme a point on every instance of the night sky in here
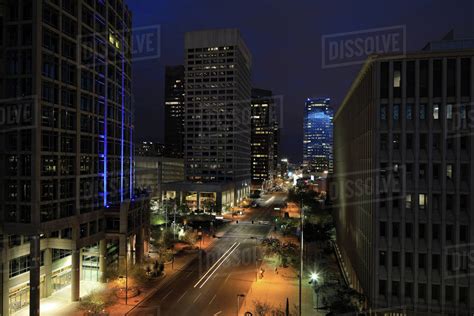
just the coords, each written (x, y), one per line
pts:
(285, 40)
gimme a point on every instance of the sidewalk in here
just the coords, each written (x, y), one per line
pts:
(182, 259)
(274, 289)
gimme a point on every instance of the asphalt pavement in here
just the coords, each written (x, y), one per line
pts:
(212, 284)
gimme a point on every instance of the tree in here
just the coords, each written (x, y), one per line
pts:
(345, 300)
(287, 253)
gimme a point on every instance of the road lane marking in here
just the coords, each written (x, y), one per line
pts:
(226, 279)
(218, 313)
(188, 275)
(210, 269)
(164, 297)
(212, 300)
(217, 268)
(197, 297)
(179, 299)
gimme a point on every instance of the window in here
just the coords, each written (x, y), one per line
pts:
(382, 287)
(435, 292)
(396, 112)
(397, 77)
(422, 112)
(383, 112)
(465, 77)
(408, 290)
(437, 78)
(449, 233)
(422, 201)
(396, 288)
(449, 111)
(396, 230)
(395, 259)
(435, 232)
(435, 261)
(463, 294)
(408, 230)
(396, 141)
(424, 78)
(463, 233)
(435, 111)
(409, 141)
(409, 112)
(409, 260)
(382, 258)
(383, 228)
(449, 291)
(421, 231)
(421, 261)
(449, 171)
(408, 201)
(422, 291)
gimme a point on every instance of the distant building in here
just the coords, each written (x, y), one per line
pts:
(403, 182)
(151, 172)
(318, 135)
(217, 120)
(264, 137)
(149, 148)
(174, 111)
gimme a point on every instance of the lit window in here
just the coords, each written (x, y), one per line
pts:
(449, 171)
(422, 201)
(449, 111)
(396, 78)
(436, 112)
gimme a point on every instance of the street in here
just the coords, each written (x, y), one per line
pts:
(211, 283)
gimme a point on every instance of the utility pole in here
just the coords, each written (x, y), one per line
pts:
(301, 256)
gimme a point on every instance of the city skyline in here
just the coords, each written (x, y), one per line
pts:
(236, 158)
(294, 37)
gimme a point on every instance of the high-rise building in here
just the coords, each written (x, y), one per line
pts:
(217, 118)
(318, 135)
(174, 111)
(264, 137)
(150, 149)
(403, 182)
(66, 175)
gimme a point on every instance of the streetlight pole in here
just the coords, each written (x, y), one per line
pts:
(301, 256)
(126, 278)
(256, 267)
(238, 302)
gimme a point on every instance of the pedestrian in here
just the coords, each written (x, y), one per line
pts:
(276, 270)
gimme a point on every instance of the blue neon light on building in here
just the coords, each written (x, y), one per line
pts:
(318, 134)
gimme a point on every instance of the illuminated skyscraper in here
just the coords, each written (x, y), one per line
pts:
(174, 111)
(264, 136)
(66, 175)
(318, 135)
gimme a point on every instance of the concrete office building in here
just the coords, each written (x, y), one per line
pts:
(216, 120)
(264, 137)
(66, 176)
(402, 184)
(318, 135)
(151, 172)
(174, 111)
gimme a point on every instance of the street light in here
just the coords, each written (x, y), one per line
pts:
(314, 277)
(238, 302)
(314, 280)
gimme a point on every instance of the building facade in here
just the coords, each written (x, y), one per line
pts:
(174, 111)
(264, 137)
(66, 182)
(217, 118)
(151, 172)
(402, 185)
(149, 149)
(318, 135)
